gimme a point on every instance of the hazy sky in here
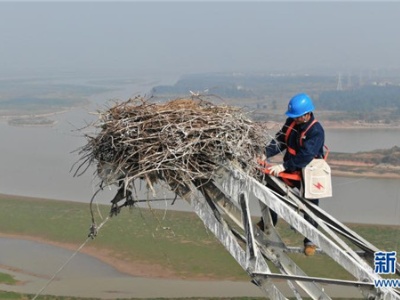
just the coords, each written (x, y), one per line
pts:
(188, 37)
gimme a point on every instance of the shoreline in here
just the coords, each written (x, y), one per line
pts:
(131, 268)
(353, 127)
(363, 171)
(345, 125)
(144, 273)
(365, 175)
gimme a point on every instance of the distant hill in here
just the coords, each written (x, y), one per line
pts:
(369, 103)
(261, 87)
(374, 101)
(363, 99)
(378, 163)
(382, 156)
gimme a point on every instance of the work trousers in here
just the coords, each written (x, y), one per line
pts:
(274, 215)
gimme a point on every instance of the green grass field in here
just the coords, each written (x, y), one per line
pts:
(16, 296)
(176, 241)
(7, 279)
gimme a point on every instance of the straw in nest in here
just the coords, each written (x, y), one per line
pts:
(178, 141)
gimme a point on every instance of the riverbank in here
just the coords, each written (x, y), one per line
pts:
(45, 119)
(32, 280)
(366, 170)
(149, 247)
(32, 277)
(387, 175)
(156, 236)
(180, 236)
(380, 163)
(131, 268)
(33, 265)
(358, 124)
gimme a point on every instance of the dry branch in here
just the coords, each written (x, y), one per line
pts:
(178, 141)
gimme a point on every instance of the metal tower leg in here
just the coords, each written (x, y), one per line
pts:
(269, 242)
(233, 182)
(217, 225)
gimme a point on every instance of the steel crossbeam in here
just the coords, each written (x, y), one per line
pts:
(270, 243)
(218, 226)
(225, 211)
(331, 222)
(234, 183)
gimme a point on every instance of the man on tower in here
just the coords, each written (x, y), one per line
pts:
(302, 138)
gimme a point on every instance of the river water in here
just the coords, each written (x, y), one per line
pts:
(37, 162)
(35, 264)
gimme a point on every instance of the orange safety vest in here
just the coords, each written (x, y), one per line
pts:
(289, 131)
(297, 174)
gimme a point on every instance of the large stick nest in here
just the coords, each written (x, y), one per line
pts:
(178, 141)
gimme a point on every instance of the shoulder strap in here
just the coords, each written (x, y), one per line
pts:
(287, 134)
(289, 131)
(305, 131)
(326, 153)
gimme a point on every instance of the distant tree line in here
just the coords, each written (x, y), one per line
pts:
(370, 103)
(256, 86)
(364, 99)
(217, 85)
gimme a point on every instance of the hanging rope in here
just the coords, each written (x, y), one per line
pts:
(69, 259)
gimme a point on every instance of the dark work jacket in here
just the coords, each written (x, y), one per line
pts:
(312, 145)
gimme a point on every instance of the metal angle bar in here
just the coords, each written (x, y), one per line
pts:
(343, 229)
(318, 279)
(230, 209)
(358, 240)
(335, 226)
(286, 265)
(317, 251)
(271, 246)
(365, 251)
(233, 181)
(388, 292)
(222, 232)
(295, 291)
(250, 244)
(264, 283)
(289, 268)
(346, 248)
(332, 222)
(248, 228)
(305, 207)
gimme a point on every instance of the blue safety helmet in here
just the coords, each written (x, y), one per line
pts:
(299, 105)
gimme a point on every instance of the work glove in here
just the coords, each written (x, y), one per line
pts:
(275, 170)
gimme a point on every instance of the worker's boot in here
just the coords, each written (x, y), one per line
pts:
(309, 249)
